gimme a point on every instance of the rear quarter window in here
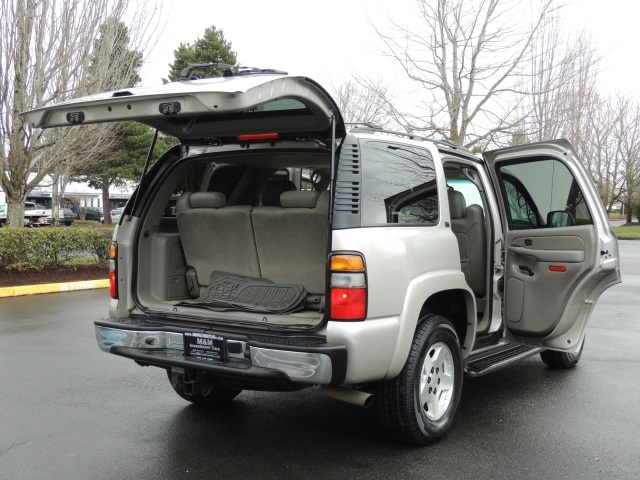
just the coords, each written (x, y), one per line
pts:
(398, 185)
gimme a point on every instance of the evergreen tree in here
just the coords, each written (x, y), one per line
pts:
(211, 48)
(125, 162)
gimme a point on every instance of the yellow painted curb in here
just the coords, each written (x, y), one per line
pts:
(52, 288)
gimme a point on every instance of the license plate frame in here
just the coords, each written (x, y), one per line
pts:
(205, 346)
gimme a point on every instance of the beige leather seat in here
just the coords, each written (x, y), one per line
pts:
(468, 225)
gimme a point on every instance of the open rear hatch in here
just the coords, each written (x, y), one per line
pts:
(200, 111)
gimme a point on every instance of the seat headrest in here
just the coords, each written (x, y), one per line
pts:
(273, 189)
(457, 204)
(302, 199)
(204, 200)
(207, 200)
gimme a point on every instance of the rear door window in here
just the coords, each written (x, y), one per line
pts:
(542, 194)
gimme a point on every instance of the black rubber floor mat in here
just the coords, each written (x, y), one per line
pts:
(227, 291)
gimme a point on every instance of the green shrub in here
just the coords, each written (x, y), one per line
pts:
(98, 243)
(36, 248)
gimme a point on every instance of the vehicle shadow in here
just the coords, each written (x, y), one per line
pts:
(301, 434)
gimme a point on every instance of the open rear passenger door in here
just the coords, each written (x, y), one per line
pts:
(560, 253)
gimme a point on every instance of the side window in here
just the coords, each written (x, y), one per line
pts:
(399, 185)
(542, 194)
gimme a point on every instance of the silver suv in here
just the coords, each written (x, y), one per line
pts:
(276, 249)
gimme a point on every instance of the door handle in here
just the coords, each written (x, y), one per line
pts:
(527, 269)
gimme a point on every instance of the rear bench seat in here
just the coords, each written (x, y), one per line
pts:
(215, 237)
(292, 241)
(284, 244)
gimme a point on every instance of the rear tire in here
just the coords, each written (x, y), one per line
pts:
(205, 395)
(561, 360)
(418, 405)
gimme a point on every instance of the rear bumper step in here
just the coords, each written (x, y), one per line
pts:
(495, 361)
(246, 359)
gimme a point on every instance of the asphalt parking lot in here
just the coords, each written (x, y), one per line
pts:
(69, 411)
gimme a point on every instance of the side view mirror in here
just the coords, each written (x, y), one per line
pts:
(560, 218)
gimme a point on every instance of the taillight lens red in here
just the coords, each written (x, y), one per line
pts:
(348, 287)
(113, 270)
(348, 303)
(113, 285)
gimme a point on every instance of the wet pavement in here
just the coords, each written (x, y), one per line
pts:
(69, 411)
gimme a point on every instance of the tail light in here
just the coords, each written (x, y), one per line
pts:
(348, 287)
(113, 270)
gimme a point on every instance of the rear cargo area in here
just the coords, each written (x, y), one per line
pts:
(238, 243)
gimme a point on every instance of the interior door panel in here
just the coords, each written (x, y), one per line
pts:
(536, 294)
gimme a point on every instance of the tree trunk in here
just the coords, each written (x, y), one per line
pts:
(106, 203)
(55, 202)
(15, 211)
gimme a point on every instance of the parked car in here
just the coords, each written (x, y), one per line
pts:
(65, 216)
(420, 262)
(116, 213)
(34, 215)
(90, 213)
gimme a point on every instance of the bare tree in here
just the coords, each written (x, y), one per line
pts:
(608, 142)
(46, 48)
(468, 58)
(562, 84)
(628, 140)
(365, 101)
(597, 143)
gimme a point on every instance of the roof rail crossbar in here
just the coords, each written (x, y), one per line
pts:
(370, 125)
(227, 70)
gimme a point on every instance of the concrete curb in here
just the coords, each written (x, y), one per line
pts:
(52, 288)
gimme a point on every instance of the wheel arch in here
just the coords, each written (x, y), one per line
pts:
(442, 293)
(457, 306)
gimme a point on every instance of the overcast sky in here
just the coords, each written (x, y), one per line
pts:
(330, 39)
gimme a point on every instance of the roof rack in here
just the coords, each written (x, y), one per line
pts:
(354, 125)
(367, 127)
(227, 70)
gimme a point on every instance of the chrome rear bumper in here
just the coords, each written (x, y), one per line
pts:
(246, 359)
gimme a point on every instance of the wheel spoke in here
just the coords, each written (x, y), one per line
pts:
(446, 382)
(439, 355)
(424, 386)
